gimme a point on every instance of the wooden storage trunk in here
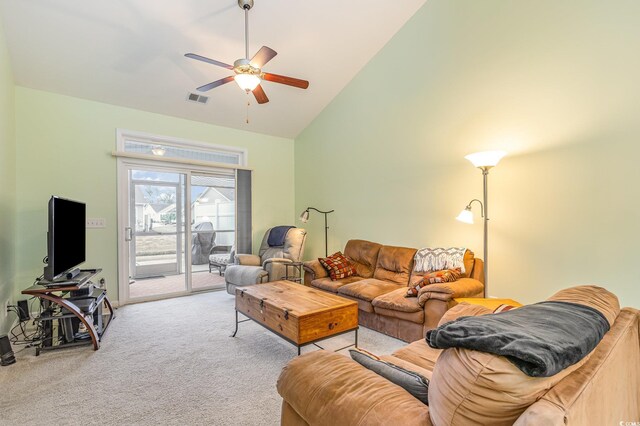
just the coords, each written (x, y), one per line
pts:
(297, 313)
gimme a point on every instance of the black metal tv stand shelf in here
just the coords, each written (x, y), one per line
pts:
(72, 305)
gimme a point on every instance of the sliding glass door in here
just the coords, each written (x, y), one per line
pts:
(156, 233)
(183, 208)
(213, 218)
(175, 220)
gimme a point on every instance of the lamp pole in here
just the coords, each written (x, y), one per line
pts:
(484, 160)
(485, 176)
(305, 216)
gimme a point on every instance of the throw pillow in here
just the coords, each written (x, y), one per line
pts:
(337, 266)
(414, 383)
(413, 290)
(444, 276)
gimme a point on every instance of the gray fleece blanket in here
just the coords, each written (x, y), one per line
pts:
(540, 339)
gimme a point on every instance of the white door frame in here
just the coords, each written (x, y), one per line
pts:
(184, 166)
(123, 166)
(123, 221)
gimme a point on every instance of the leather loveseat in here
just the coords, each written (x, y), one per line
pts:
(469, 387)
(383, 275)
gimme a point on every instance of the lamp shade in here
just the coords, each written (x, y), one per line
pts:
(466, 216)
(247, 82)
(486, 158)
(304, 216)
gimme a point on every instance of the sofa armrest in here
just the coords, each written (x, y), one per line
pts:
(329, 388)
(248, 259)
(464, 287)
(315, 269)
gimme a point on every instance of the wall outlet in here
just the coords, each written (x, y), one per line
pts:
(99, 222)
(5, 309)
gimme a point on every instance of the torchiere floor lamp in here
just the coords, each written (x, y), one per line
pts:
(304, 217)
(484, 161)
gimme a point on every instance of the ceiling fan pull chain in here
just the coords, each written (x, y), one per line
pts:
(248, 103)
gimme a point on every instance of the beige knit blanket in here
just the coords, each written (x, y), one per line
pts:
(437, 258)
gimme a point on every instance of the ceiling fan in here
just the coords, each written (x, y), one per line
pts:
(248, 72)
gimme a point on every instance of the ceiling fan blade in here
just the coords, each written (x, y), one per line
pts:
(264, 55)
(209, 61)
(261, 97)
(215, 84)
(289, 81)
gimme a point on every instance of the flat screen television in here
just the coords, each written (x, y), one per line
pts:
(65, 238)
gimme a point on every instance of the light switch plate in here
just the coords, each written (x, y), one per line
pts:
(96, 222)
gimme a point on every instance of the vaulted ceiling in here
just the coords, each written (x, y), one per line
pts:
(131, 52)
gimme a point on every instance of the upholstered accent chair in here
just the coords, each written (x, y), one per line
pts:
(268, 264)
(220, 257)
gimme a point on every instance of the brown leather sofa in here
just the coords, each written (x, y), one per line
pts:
(475, 388)
(383, 274)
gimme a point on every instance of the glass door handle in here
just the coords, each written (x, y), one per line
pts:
(128, 234)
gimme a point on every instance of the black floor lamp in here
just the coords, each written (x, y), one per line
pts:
(484, 161)
(304, 217)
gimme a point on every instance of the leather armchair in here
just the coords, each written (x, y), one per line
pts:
(268, 264)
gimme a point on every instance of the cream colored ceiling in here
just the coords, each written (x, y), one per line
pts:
(130, 52)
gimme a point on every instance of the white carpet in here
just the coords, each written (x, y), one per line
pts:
(169, 362)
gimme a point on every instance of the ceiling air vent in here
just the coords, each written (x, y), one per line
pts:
(194, 97)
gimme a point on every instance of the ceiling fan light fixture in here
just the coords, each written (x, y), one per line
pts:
(247, 82)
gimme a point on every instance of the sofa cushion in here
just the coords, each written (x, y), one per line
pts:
(420, 354)
(408, 379)
(394, 264)
(416, 317)
(368, 289)
(338, 266)
(363, 305)
(327, 284)
(364, 255)
(396, 301)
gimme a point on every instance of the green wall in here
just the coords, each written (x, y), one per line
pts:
(553, 83)
(64, 147)
(7, 185)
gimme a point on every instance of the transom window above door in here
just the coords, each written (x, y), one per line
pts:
(165, 147)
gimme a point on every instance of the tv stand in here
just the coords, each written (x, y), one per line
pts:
(80, 278)
(71, 303)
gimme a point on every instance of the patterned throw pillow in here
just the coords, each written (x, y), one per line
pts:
(444, 276)
(337, 266)
(413, 290)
